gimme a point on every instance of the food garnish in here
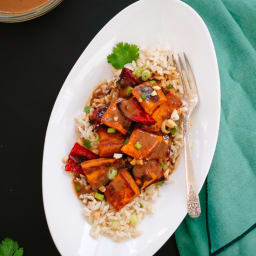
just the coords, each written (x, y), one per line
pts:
(8, 247)
(138, 71)
(111, 130)
(99, 196)
(145, 75)
(112, 173)
(138, 145)
(123, 53)
(87, 143)
(87, 109)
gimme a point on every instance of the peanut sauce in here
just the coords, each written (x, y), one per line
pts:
(20, 6)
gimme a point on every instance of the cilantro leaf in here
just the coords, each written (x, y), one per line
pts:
(19, 252)
(122, 54)
(10, 248)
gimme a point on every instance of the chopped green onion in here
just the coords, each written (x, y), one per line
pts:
(138, 72)
(143, 96)
(141, 205)
(98, 196)
(87, 144)
(111, 130)
(145, 75)
(170, 86)
(153, 82)
(129, 91)
(126, 141)
(173, 130)
(78, 188)
(160, 183)
(112, 173)
(138, 145)
(162, 165)
(133, 220)
(87, 109)
(115, 224)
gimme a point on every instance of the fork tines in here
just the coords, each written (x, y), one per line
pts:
(187, 75)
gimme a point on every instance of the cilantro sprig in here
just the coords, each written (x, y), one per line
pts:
(122, 54)
(8, 247)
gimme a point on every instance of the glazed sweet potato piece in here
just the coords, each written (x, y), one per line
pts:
(163, 112)
(141, 144)
(96, 170)
(173, 100)
(113, 118)
(161, 151)
(146, 178)
(110, 143)
(160, 114)
(148, 173)
(121, 190)
(143, 93)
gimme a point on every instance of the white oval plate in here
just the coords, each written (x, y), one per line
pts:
(157, 23)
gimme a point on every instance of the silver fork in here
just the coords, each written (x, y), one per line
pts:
(192, 98)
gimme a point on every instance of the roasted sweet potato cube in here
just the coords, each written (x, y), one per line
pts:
(160, 114)
(173, 100)
(149, 102)
(110, 143)
(163, 112)
(121, 190)
(147, 178)
(113, 118)
(96, 170)
(161, 151)
(148, 173)
(141, 144)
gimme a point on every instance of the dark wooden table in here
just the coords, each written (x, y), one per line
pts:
(35, 59)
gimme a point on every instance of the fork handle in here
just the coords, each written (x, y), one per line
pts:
(193, 203)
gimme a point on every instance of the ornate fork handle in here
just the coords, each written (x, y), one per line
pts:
(193, 203)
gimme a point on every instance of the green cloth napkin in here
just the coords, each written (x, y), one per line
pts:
(227, 225)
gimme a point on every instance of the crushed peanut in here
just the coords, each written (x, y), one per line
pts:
(102, 189)
(154, 93)
(139, 161)
(156, 87)
(117, 156)
(167, 125)
(133, 162)
(175, 115)
(64, 159)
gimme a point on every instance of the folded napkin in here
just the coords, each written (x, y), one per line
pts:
(227, 225)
